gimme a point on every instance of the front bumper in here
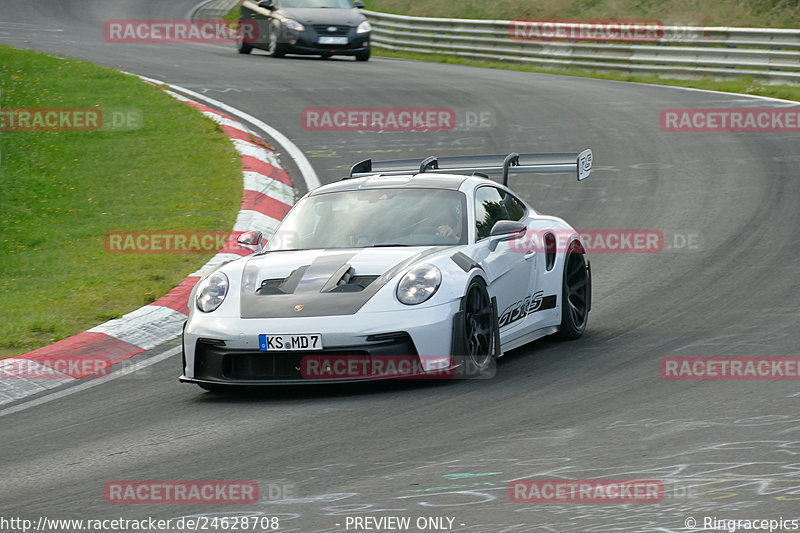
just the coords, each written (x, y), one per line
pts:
(384, 357)
(225, 351)
(307, 42)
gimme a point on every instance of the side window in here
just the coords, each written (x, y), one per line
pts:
(489, 208)
(514, 208)
(493, 204)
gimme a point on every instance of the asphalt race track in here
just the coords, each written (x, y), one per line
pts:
(593, 408)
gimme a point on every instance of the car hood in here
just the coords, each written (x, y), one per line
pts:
(307, 283)
(316, 15)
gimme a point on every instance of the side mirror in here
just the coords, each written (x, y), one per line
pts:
(359, 4)
(505, 229)
(267, 4)
(250, 240)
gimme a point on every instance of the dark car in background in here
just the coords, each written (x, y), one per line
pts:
(313, 27)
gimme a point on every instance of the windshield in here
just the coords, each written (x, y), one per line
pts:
(374, 217)
(344, 4)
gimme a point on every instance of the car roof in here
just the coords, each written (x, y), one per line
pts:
(411, 181)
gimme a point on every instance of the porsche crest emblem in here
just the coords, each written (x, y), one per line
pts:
(298, 308)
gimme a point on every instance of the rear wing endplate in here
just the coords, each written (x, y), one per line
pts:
(578, 163)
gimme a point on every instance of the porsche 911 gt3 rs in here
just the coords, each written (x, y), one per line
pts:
(409, 268)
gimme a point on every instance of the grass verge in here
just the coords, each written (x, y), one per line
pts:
(62, 191)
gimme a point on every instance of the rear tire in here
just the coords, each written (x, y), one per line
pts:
(576, 290)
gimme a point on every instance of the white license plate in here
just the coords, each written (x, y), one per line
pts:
(332, 40)
(289, 343)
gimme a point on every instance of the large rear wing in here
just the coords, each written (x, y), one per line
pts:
(579, 163)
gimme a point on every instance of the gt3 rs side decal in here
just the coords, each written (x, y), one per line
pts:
(531, 304)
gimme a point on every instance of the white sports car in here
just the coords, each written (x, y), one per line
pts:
(401, 269)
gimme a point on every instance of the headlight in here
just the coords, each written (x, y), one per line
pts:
(293, 25)
(364, 27)
(419, 284)
(211, 292)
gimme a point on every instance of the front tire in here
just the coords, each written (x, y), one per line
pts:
(479, 327)
(276, 49)
(577, 293)
(241, 46)
(363, 56)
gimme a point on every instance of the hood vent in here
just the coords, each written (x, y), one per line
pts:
(349, 282)
(343, 280)
(271, 286)
(282, 285)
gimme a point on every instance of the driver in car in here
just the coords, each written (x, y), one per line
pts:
(450, 222)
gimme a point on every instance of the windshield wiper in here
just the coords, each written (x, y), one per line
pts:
(387, 245)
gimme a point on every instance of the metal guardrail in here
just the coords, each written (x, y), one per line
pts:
(767, 55)
(213, 9)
